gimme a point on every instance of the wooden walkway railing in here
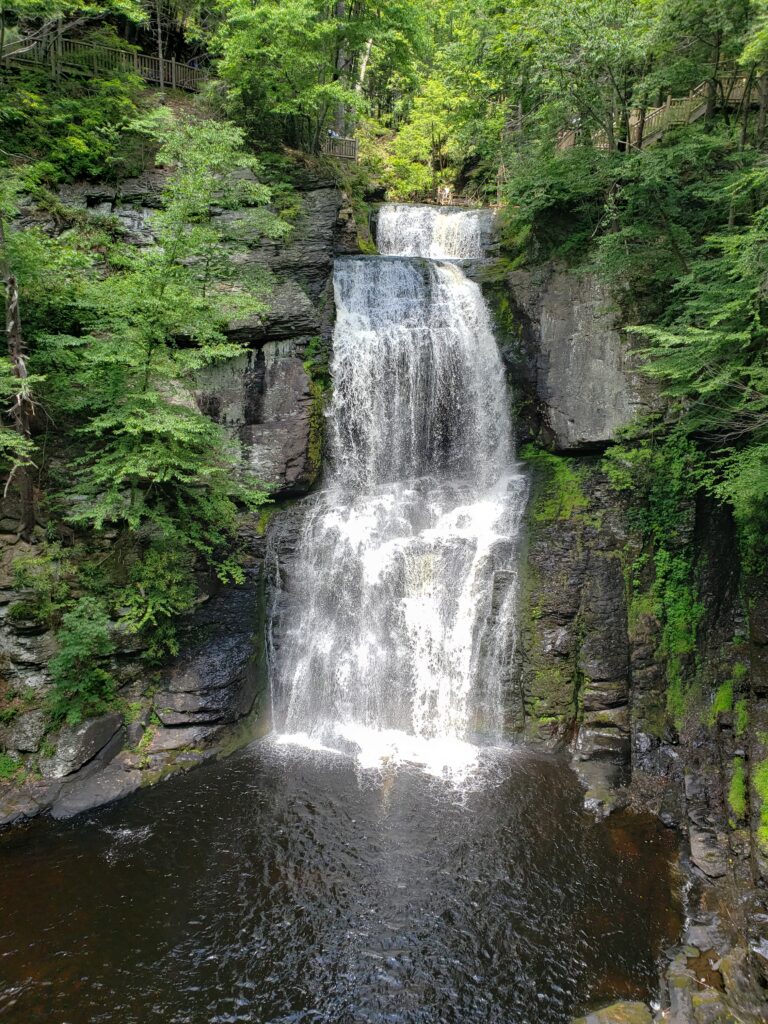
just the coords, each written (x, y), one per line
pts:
(647, 130)
(65, 55)
(339, 147)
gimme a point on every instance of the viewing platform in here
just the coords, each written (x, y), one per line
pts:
(339, 147)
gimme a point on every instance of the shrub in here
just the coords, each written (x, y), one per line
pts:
(722, 702)
(737, 793)
(760, 782)
(9, 767)
(81, 687)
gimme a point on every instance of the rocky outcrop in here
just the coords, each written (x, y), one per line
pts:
(618, 1013)
(570, 365)
(595, 682)
(264, 399)
(74, 746)
(220, 673)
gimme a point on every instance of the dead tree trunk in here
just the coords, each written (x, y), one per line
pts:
(22, 410)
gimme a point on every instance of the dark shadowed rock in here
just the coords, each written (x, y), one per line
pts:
(220, 671)
(264, 399)
(291, 314)
(112, 782)
(76, 745)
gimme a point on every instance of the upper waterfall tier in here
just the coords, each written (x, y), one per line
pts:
(435, 232)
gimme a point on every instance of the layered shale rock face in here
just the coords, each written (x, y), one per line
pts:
(594, 672)
(571, 374)
(267, 400)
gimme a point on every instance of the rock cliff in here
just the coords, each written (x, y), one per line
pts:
(595, 677)
(267, 400)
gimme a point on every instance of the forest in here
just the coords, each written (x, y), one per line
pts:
(558, 117)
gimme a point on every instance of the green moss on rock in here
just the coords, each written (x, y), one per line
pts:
(561, 493)
(737, 792)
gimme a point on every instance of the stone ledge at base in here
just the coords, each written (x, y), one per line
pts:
(116, 780)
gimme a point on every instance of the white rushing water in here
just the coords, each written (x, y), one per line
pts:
(438, 233)
(398, 607)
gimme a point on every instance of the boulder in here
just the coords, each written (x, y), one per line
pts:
(707, 853)
(112, 782)
(164, 740)
(76, 745)
(17, 806)
(24, 733)
(619, 1013)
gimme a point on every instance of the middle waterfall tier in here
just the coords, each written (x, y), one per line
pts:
(393, 626)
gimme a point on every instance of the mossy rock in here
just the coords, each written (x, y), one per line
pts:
(619, 1013)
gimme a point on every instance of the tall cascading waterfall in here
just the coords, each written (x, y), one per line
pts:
(397, 609)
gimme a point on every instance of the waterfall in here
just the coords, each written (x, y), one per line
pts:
(397, 609)
(438, 233)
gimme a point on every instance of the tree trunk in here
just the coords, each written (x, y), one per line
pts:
(746, 107)
(364, 66)
(762, 85)
(159, 19)
(712, 84)
(640, 131)
(339, 13)
(23, 408)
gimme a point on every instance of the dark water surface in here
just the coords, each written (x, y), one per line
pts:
(283, 886)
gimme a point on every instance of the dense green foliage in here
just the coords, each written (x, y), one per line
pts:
(562, 495)
(660, 474)
(737, 791)
(81, 686)
(113, 336)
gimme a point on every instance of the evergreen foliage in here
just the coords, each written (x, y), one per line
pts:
(81, 685)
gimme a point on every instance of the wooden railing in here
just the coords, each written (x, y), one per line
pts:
(646, 130)
(65, 55)
(340, 148)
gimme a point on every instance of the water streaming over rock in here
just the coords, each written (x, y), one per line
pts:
(438, 233)
(397, 609)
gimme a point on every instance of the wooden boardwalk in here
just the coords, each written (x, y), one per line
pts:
(646, 129)
(66, 56)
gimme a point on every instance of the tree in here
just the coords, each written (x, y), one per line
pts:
(150, 464)
(16, 384)
(294, 66)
